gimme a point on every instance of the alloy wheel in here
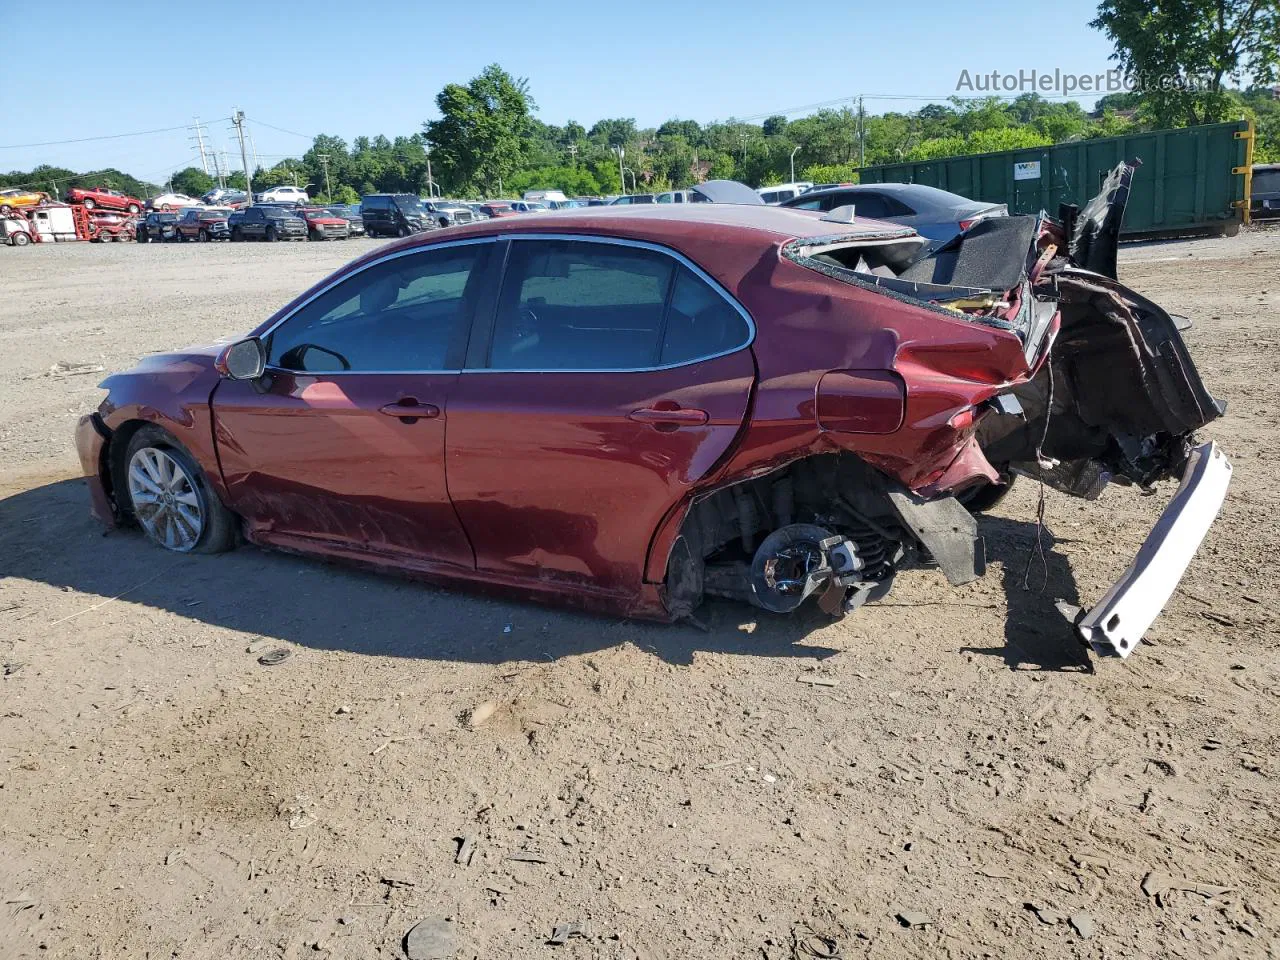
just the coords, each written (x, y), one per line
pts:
(165, 500)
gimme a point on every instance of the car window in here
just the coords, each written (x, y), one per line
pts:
(867, 204)
(573, 305)
(403, 314)
(893, 207)
(808, 205)
(700, 322)
(578, 305)
(770, 197)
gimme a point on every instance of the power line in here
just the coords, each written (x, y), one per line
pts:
(110, 136)
(292, 133)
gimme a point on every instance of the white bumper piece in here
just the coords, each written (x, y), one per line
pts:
(1116, 625)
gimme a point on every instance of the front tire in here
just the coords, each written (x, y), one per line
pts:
(20, 239)
(89, 203)
(135, 209)
(204, 236)
(170, 497)
(270, 235)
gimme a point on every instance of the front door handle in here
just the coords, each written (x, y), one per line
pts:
(409, 410)
(675, 417)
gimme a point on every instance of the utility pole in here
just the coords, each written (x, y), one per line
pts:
(237, 118)
(199, 139)
(622, 177)
(862, 135)
(573, 154)
(253, 147)
(324, 162)
(793, 165)
(431, 184)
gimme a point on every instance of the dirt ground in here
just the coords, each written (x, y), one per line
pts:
(676, 793)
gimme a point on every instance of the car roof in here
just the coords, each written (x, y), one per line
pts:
(917, 191)
(672, 225)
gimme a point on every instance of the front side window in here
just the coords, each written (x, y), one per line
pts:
(404, 314)
(579, 305)
(808, 205)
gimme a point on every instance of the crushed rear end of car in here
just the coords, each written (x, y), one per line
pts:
(1010, 350)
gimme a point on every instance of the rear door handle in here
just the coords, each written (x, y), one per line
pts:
(679, 417)
(409, 410)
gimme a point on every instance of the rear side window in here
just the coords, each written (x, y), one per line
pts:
(700, 322)
(896, 208)
(877, 206)
(578, 305)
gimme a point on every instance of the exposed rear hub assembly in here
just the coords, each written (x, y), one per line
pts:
(802, 559)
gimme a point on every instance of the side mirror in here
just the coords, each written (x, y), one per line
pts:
(244, 360)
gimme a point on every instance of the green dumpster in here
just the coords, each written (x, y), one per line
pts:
(1192, 180)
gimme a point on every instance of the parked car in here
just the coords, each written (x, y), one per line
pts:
(171, 201)
(628, 199)
(1265, 194)
(780, 192)
(680, 196)
(447, 213)
(933, 213)
(712, 191)
(265, 222)
(158, 226)
(103, 197)
(801, 432)
(284, 194)
(222, 197)
(496, 208)
(394, 215)
(351, 213)
(529, 206)
(110, 226)
(204, 224)
(14, 198)
(323, 225)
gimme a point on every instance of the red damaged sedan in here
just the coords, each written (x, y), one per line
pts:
(635, 410)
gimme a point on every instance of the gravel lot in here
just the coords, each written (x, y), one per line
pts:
(677, 793)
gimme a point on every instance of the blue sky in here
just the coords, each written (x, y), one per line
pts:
(375, 66)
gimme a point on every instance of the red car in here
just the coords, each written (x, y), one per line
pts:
(323, 225)
(103, 197)
(655, 405)
(497, 210)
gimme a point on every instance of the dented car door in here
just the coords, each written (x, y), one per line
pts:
(342, 442)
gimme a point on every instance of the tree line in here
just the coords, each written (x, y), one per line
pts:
(488, 142)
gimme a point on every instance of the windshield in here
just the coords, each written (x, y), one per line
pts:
(1266, 181)
(537, 206)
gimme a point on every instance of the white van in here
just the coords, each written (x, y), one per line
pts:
(780, 192)
(554, 199)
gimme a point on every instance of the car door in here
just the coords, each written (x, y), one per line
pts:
(611, 378)
(341, 443)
